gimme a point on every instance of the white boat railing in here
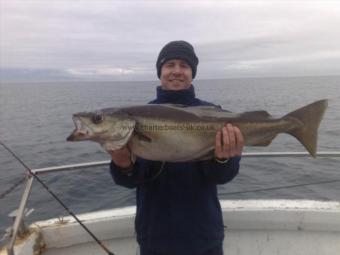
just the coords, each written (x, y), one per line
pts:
(18, 223)
(328, 154)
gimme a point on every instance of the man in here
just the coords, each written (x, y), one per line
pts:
(178, 211)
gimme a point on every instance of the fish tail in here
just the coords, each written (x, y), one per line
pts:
(310, 116)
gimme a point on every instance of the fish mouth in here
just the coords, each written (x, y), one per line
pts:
(81, 131)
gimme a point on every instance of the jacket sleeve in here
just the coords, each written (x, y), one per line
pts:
(140, 172)
(122, 178)
(221, 173)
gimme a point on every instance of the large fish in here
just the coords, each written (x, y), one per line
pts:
(177, 133)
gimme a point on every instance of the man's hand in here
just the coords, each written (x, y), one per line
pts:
(229, 142)
(121, 157)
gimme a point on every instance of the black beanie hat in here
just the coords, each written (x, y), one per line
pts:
(177, 50)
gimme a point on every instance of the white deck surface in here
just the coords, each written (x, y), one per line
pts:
(118, 246)
(256, 227)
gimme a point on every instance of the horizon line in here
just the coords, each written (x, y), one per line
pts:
(156, 80)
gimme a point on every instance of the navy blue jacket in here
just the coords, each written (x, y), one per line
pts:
(178, 212)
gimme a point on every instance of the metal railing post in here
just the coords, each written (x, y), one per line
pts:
(19, 216)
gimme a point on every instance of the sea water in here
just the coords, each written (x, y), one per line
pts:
(35, 119)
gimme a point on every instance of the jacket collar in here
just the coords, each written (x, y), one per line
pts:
(184, 96)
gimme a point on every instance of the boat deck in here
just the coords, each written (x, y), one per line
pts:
(119, 246)
(259, 227)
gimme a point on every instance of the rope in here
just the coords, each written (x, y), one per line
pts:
(280, 187)
(13, 187)
(153, 177)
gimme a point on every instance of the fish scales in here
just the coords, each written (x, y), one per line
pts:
(177, 133)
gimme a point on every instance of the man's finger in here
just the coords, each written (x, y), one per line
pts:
(226, 142)
(232, 140)
(218, 144)
(239, 141)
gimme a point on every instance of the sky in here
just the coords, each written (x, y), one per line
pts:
(120, 40)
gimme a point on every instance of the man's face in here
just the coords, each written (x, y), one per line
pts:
(176, 74)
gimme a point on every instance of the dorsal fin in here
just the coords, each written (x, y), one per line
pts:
(204, 107)
(255, 115)
(175, 105)
(211, 108)
(201, 111)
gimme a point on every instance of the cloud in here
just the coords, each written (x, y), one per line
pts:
(111, 39)
(100, 71)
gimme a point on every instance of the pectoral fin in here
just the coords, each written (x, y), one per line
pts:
(142, 137)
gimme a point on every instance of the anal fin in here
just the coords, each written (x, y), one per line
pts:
(265, 141)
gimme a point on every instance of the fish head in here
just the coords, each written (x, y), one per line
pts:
(108, 126)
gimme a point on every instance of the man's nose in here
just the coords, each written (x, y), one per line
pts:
(177, 69)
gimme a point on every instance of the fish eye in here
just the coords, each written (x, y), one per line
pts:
(97, 118)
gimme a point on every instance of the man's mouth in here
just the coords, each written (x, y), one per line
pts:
(179, 80)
